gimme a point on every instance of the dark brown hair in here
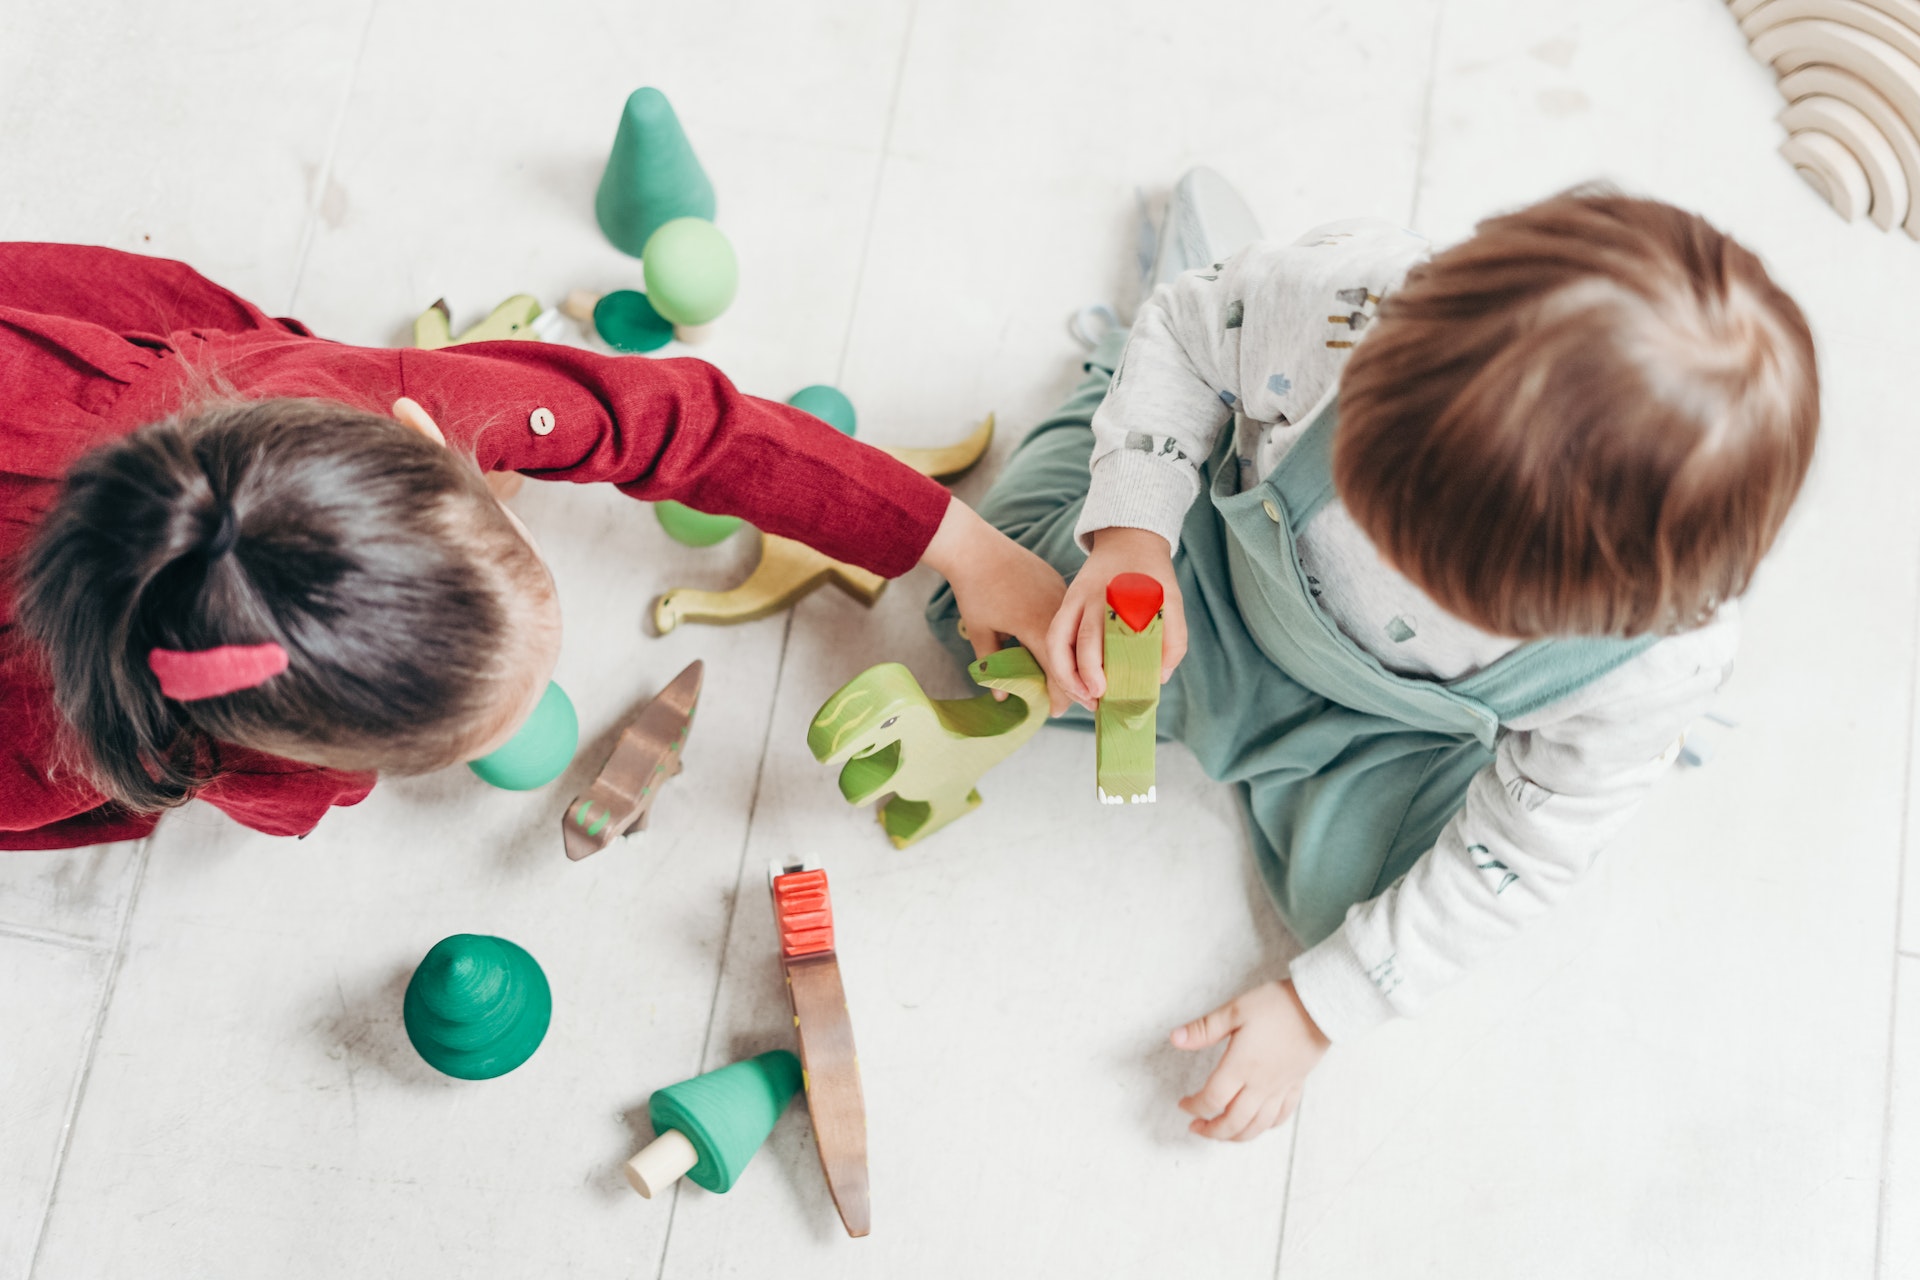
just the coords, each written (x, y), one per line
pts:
(375, 557)
(1590, 418)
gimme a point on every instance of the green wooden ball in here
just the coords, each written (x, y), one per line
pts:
(542, 749)
(690, 270)
(694, 528)
(628, 322)
(829, 404)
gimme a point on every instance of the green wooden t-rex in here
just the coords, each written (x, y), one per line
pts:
(923, 754)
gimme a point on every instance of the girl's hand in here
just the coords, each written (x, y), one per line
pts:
(1002, 588)
(1256, 1084)
(1075, 653)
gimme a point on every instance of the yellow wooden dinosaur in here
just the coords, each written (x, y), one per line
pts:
(789, 570)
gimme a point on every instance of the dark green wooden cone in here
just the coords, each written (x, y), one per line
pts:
(727, 1114)
(652, 177)
(477, 1007)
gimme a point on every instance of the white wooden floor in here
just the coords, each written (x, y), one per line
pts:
(1706, 1065)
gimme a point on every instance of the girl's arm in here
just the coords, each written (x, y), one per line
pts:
(678, 429)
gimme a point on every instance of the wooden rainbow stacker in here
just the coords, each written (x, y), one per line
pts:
(830, 1066)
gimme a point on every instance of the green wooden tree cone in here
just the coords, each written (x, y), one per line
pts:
(477, 1007)
(727, 1114)
(652, 177)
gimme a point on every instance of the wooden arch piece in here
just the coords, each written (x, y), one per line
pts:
(1833, 170)
(1809, 42)
(1823, 81)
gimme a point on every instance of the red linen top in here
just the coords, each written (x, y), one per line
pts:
(95, 343)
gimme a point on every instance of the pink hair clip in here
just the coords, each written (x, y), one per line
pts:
(189, 675)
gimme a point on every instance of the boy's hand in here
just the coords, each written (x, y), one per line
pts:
(1076, 641)
(1002, 588)
(1256, 1084)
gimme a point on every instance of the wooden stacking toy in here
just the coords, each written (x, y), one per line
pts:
(690, 271)
(1850, 73)
(625, 320)
(803, 913)
(652, 175)
(645, 757)
(925, 754)
(1124, 722)
(709, 1127)
(477, 1007)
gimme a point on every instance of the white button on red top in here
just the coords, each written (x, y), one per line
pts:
(541, 420)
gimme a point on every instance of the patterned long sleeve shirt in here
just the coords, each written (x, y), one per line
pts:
(1254, 345)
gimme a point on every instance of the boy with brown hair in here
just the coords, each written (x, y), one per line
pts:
(1443, 600)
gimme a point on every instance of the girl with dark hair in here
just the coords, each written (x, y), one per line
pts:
(265, 596)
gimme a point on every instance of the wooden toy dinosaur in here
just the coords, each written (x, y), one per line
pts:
(924, 754)
(1124, 722)
(789, 570)
(432, 328)
(647, 754)
(803, 913)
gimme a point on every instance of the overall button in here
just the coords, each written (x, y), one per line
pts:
(541, 420)
(1273, 512)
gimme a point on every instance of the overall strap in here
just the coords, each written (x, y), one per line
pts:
(1531, 677)
(1540, 674)
(1304, 478)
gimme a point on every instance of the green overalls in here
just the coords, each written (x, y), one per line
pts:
(1348, 772)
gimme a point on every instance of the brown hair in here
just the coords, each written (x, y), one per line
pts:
(376, 558)
(1588, 419)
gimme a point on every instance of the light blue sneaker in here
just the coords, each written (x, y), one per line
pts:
(1207, 221)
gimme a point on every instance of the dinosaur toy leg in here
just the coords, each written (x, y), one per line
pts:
(906, 821)
(787, 571)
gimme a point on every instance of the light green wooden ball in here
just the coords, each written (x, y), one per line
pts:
(690, 270)
(693, 528)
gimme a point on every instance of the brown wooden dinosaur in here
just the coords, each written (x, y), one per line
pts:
(647, 754)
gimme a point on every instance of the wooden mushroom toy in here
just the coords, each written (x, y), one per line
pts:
(709, 1127)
